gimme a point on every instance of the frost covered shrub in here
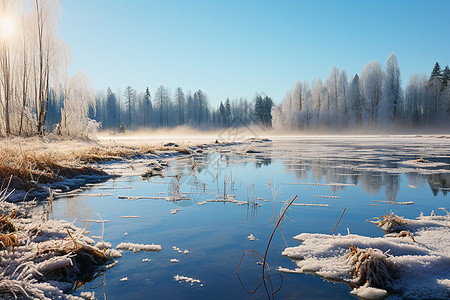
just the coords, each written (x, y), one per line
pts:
(74, 114)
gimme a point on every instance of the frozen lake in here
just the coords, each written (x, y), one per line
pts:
(228, 194)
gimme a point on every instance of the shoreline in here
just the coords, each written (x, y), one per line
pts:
(31, 167)
(46, 258)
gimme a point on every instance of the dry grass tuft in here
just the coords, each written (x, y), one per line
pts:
(390, 222)
(8, 240)
(371, 266)
(5, 224)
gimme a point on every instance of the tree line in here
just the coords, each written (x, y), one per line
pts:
(164, 109)
(374, 98)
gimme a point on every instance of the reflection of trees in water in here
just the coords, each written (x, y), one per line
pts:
(262, 161)
(392, 183)
(439, 182)
(371, 182)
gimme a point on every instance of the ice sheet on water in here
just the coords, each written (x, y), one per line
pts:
(138, 247)
(186, 279)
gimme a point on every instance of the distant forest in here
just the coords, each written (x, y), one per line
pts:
(373, 99)
(37, 96)
(138, 110)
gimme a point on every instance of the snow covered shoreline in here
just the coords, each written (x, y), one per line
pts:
(48, 259)
(412, 260)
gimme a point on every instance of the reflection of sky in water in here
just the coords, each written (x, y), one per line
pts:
(216, 233)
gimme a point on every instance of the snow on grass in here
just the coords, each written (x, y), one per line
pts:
(411, 260)
(138, 247)
(40, 258)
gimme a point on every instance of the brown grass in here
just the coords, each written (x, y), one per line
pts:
(45, 162)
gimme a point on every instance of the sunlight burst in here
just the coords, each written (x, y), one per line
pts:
(6, 28)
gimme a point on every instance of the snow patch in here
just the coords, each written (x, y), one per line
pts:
(414, 267)
(138, 247)
(186, 279)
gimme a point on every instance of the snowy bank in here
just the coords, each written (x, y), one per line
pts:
(43, 258)
(411, 260)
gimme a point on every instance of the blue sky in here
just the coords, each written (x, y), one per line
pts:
(231, 48)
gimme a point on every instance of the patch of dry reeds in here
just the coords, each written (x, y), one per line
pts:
(370, 265)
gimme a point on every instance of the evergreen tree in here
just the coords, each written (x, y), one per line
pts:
(263, 110)
(147, 107)
(222, 114)
(445, 77)
(227, 112)
(436, 73)
(112, 110)
(434, 87)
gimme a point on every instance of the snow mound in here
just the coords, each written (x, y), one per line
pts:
(411, 260)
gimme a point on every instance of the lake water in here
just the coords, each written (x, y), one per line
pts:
(365, 176)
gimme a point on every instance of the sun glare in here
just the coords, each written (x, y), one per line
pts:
(6, 28)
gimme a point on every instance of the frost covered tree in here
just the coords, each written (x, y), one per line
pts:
(78, 97)
(317, 102)
(415, 99)
(130, 101)
(180, 105)
(331, 87)
(343, 107)
(392, 91)
(33, 66)
(356, 100)
(372, 82)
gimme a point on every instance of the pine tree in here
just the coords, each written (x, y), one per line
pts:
(222, 114)
(112, 114)
(434, 85)
(148, 108)
(436, 73)
(227, 112)
(445, 77)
